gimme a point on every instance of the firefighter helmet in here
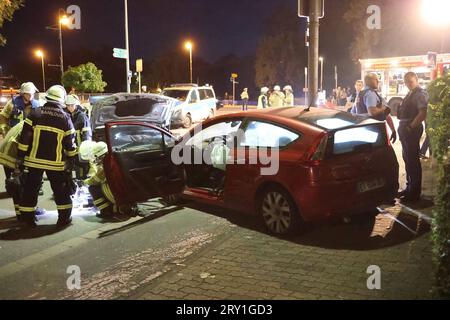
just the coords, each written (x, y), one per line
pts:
(277, 88)
(56, 93)
(99, 149)
(28, 87)
(85, 150)
(73, 100)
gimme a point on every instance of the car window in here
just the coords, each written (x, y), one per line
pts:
(205, 94)
(169, 141)
(133, 138)
(194, 96)
(263, 134)
(177, 94)
(354, 139)
(222, 130)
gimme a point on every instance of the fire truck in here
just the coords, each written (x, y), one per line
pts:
(9, 86)
(391, 72)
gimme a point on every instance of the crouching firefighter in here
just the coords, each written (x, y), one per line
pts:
(47, 144)
(95, 152)
(83, 131)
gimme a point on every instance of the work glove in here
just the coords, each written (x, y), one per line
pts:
(393, 137)
(69, 165)
(19, 166)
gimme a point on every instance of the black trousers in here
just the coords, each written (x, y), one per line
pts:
(410, 140)
(61, 190)
(244, 104)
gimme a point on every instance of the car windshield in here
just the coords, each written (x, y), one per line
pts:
(177, 94)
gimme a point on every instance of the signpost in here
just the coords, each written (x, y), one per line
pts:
(120, 53)
(233, 80)
(139, 69)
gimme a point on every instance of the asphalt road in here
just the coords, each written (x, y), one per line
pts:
(116, 258)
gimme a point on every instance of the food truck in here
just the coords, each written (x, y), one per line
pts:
(391, 72)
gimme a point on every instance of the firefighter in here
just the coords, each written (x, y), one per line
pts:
(276, 99)
(98, 186)
(262, 100)
(82, 129)
(16, 110)
(289, 96)
(47, 144)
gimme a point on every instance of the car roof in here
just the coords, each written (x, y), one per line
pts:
(187, 88)
(315, 117)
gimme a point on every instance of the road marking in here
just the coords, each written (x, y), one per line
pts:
(33, 259)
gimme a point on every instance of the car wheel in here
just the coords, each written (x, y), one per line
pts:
(278, 212)
(211, 114)
(187, 121)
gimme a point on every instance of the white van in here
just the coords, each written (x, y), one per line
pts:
(195, 103)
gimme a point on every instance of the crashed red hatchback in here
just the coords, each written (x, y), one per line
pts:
(286, 165)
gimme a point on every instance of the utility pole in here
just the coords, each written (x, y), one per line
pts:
(335, 77)
(127, 48)
(315, 12)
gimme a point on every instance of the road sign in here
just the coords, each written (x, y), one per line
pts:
(234, 75)
(303, 8)
(139, 65)
(120, 53)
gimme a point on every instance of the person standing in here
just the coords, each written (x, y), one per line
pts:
(262, 99)
(17, 110)
(47, 144)
(276, 99)
(359, 86)
(289, 96)
(82, 130)
(370, 103)
(244, 98)
(411, 113)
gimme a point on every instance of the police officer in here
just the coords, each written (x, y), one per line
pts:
(289, 96)
(276, 98)
(411, 113)
(244, 98)
(47, 144)
(262, 99)
(82, 128)
(370, 103)
(17, 110)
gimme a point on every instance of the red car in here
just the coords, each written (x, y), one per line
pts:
(286, 165)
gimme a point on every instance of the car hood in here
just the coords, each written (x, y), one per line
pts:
(132, 107)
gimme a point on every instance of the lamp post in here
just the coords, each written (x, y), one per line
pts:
(435, 13)
(62, 21)
(127, 48)
(40, 54)
(189, 46)
(321, 73)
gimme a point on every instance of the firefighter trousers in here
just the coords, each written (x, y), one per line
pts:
(101, 200)
(61, 190)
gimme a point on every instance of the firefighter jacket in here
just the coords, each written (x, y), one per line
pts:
(8, 147)
(81, 125)
(99, 179)
(47, 139)
(14, 112)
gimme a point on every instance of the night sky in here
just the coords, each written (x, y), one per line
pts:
(218, 28)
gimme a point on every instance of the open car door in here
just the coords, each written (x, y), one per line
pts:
(139, 166)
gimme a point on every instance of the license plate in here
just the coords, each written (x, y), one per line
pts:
(374, 184)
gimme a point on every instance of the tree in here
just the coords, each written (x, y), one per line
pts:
(7, 9)
(85, 78)
(281, 53)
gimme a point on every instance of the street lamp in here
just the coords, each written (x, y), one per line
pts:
(435, 12)
(62, 21)
(40, 54)
(189, 47)
(321, 73)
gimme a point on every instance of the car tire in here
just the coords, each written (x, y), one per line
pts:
(279, 212)
(187, 121)
(210, 114)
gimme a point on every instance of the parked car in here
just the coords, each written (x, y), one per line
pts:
(149, 108)
(331, 164)
(195, 103)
